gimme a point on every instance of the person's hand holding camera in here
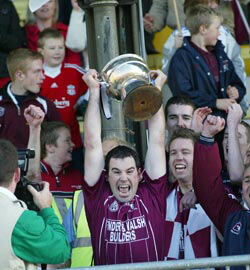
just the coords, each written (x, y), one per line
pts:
(43, 198)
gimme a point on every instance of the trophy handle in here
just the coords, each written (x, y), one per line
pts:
(105, 100)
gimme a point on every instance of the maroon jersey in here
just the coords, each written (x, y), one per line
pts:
(65, 182)
(127, 232)
(190, 233)
(208, 185)
(13, 126)
(64, 90)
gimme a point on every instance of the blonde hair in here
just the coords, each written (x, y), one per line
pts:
(191, 3)
(200, 15)
(31, 17)
(19, 59)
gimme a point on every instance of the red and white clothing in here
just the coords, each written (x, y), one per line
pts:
(32, 33)
(64, 86)
(127, 232)
(65, 183)
(190, 233)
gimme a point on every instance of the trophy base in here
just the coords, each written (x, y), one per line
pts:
(142, 102)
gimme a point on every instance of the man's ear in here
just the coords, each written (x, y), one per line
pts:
(40, 50)
(17, 175)
(50, 148)
(19, 75)
(247, 156)
(140, 172)
(203, 29)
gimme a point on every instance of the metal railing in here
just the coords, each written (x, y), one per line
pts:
(204, 263)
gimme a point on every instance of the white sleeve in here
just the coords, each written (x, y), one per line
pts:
(169, 48)
(168, 52)
(76, 39)
(233, 51)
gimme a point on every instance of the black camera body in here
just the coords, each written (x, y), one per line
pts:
(22, 193)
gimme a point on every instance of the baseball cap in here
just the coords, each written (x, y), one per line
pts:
(34, 5)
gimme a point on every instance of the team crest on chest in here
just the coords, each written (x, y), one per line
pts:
(2, 111)
(114, 206)
(236, 228)
(71, 90)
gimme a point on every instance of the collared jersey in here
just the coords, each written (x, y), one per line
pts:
(229, 217)
(65, 182)
(13, 125)
(127, 232)
(65, 90)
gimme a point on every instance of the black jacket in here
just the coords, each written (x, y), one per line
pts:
(11, 34)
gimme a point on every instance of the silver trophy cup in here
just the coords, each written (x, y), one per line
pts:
(126, 78)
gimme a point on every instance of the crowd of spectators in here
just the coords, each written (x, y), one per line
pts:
(97, 202)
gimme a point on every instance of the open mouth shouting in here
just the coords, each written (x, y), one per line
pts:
(180, 167)
(124, 189)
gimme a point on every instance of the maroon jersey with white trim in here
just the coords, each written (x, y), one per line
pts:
(13, 125)
(65, 90)
(127, 232)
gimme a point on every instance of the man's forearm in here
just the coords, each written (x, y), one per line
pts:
(34, 172)
(155, 162)
(235, 160)
(92, 121)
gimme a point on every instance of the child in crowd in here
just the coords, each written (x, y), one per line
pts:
(231, 47)
(201, 69)
(63, 85)
(43, 14)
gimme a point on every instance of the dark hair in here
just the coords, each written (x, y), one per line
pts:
(121, 152)
(183, 133)
(8, 162)
(50, 134)
(178, 100)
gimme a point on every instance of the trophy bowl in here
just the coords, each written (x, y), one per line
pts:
(128, 80)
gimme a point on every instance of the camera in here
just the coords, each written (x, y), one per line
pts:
(22, 193)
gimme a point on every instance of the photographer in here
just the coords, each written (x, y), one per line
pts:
(65, 182)
(27, 237)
